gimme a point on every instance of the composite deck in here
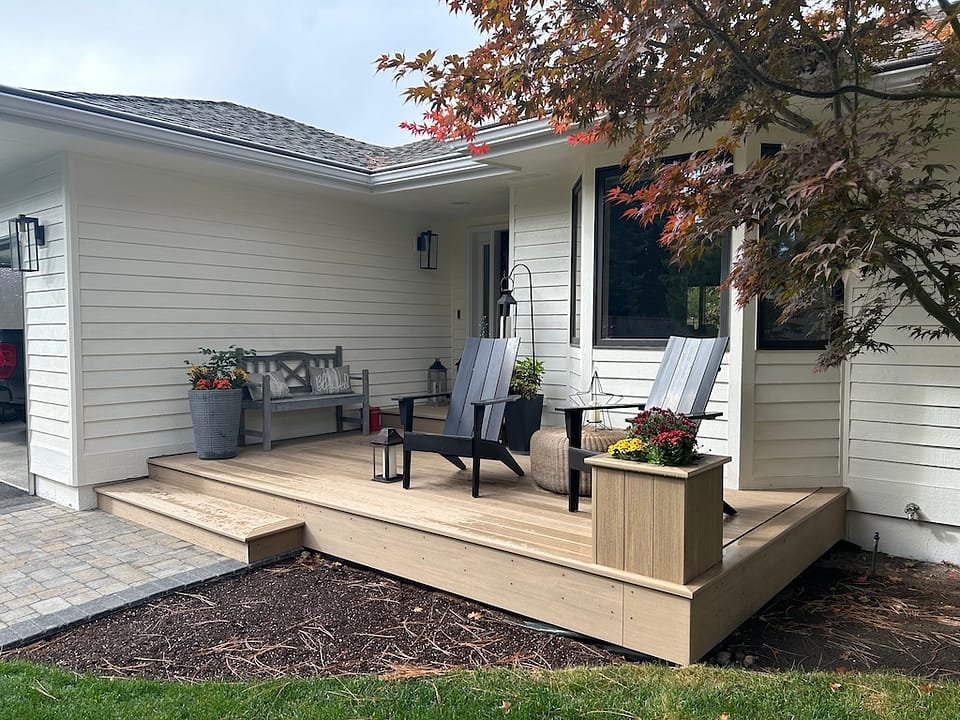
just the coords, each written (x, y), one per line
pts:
(516, 546)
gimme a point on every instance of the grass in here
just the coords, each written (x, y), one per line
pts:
(639, 691)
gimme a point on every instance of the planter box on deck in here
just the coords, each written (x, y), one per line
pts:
(660, 521)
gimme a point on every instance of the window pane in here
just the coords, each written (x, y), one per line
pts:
(576, 251)
(643, 295)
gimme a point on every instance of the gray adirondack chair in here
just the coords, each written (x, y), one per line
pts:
(683, 384)
(472, 427)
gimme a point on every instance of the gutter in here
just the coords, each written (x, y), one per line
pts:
(67, 114)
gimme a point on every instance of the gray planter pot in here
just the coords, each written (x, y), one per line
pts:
(216, 422)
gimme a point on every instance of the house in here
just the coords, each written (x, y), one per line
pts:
(173, 224)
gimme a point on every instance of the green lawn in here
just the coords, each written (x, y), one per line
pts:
(29, 692)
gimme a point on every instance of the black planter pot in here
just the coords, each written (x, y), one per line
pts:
(522, 418)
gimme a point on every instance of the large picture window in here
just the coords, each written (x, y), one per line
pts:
(643, 298)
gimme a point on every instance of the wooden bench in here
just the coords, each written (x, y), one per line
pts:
(295, 367)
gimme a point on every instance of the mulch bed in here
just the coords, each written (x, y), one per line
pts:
(312, 616)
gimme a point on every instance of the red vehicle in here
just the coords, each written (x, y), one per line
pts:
(13, 389)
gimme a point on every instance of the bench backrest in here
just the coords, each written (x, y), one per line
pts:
(295, 366)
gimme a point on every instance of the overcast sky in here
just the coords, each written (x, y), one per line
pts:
(310, 60)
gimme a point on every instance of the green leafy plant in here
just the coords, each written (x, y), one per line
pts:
(221, 371)
(527, 378)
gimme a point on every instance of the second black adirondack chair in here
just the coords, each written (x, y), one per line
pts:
(683, 384)
(472, 427)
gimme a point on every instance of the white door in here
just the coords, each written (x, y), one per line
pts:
(489, 262)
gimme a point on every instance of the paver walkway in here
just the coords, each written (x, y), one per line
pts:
(59, 567)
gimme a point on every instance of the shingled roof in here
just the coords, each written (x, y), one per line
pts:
(244, 125)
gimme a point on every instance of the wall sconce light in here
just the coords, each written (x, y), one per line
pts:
(19, 249)
(508, 304)
(427, 245)
(385, 446)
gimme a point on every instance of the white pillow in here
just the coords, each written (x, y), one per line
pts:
(278, 386)
(330, 380)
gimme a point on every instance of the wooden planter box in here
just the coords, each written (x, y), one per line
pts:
(662, 522)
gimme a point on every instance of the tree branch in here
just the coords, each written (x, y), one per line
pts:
(950, 10)
(923, 297)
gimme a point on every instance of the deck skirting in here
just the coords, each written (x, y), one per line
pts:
(516, 547)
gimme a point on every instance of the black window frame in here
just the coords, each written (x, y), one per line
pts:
(601, 174)
(576, 254)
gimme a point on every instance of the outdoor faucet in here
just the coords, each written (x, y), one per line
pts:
(912, 511)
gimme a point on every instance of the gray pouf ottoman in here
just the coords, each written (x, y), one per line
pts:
(548, 456)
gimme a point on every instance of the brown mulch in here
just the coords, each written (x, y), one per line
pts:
(312, 616)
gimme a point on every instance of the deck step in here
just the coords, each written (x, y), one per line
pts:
(238, 531)
(426, 418)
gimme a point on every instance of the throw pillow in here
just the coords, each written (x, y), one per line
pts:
(330, 380)
(278, 386)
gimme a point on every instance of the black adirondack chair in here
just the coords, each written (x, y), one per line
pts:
(472, 427)
(683, 384)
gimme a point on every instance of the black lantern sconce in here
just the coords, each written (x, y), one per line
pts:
(386, 466)
(427, 245)
(19, 250)
(437, 382)
(508, 307)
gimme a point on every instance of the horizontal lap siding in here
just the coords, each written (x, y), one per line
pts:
(38, 191)
(796, 421)
(541, 240)
(172, 262)
(904, 427)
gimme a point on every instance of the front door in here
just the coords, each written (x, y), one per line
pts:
(490, 256)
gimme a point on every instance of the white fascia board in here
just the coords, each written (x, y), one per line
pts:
(38, 112)
(435, 173)
(35, 110)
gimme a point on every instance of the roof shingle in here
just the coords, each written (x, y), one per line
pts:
(233, 122)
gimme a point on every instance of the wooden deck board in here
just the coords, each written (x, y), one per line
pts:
(517, 546)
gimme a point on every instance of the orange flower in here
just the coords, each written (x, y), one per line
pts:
(222, 384)
(204, 384)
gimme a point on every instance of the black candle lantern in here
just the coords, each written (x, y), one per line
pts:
(386, 465)
(437, 382)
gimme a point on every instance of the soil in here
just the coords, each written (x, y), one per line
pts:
(314, 616)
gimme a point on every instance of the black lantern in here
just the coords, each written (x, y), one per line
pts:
(19, 249)
(427, 246)
(386, 466)
(437, 382)
(508, 307)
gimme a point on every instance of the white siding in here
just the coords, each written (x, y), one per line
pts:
(903, 437)
(172, 262)
(796, 426)
(540, 238)
(38, 190)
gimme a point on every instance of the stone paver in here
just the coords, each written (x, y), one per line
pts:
(59, 567)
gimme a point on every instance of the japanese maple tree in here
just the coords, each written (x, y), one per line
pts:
(861, 94)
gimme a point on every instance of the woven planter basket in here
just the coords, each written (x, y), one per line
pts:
(548, 456)
(216, 422)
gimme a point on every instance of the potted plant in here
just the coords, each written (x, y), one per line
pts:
(216, 399)
(523, 416)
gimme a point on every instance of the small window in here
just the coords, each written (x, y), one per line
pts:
(808, 331)
(576, 253)
(642, 297)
